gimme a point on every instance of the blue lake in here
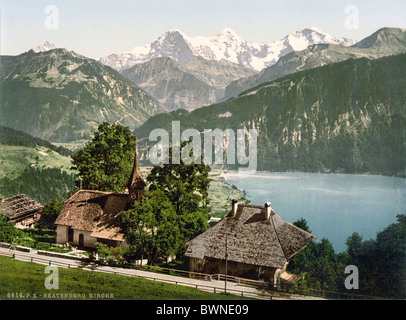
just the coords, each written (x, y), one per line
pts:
(334, 205)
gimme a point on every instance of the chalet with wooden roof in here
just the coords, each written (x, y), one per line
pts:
(95, 216)
(21, 210)
(251, 237)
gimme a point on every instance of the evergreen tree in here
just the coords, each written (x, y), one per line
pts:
(41, 184)
(302, 224)
(318, 264)
(391, 246)
(381, 263)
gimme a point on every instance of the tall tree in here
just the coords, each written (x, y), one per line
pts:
(106, 161)
(381, 262)
(302, 224)
(391, 245)
(318, 264)
(152, 228)
(186, 186)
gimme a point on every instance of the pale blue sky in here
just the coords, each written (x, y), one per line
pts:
(100, 27)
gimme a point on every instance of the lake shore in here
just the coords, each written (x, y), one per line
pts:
(335, 205)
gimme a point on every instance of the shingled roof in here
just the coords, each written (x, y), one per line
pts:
(95, 211)
(18, 206)
(253, 237)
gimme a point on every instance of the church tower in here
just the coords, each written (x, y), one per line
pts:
(136, 184)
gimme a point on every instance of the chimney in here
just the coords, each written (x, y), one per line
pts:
(234, 206)
(268, 210)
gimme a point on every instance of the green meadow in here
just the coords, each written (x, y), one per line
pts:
(15, 159)
(26, 280)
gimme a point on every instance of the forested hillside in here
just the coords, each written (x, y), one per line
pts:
(344, 117)
(9, 136)
(34, 166)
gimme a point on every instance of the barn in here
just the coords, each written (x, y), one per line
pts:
(21, 210)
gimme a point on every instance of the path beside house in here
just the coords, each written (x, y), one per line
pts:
(216, 286)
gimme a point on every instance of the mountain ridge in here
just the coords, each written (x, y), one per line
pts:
(391, 41)
(61, 96)
(225, 45)
(186, 85)
(45, 47)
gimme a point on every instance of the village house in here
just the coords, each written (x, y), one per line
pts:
(21, 210)
(253, 238)
(95, 216)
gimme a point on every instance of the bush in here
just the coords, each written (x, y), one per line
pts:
(8, 232)
(102, 250)
(49, 214)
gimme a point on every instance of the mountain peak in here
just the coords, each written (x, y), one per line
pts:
(315, 29)
(388, 36)
(45, 47)
(228, 31)
(300, 40)
(175, 31)
(228, 34)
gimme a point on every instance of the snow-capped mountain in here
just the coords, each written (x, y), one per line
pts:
(226, 45)
(45, 47)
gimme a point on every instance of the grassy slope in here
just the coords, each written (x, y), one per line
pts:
(221, 194)
(14, 159)
(27, 279)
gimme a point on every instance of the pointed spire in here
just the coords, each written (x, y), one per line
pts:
(136, 182)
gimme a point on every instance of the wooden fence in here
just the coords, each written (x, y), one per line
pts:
(262, 292)
(154, 276)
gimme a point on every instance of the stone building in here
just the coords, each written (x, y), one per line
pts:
(21, 210)
(95, 216)
(255, 240)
